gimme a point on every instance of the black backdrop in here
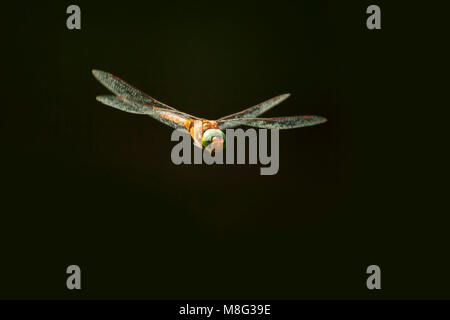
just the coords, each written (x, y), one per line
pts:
(89, 185)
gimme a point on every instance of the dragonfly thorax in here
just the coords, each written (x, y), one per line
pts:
(206, 132)
(209, 136)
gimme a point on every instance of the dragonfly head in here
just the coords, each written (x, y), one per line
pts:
(213, 140)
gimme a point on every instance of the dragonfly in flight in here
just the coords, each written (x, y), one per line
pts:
(205, 133)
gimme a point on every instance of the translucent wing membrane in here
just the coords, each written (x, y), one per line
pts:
(273, 123)
(259, 109)
(121, 88)
(172, 118)
(118, 103)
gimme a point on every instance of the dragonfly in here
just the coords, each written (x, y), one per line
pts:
(205, 133)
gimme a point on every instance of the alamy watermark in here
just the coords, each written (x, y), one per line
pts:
(257, 147)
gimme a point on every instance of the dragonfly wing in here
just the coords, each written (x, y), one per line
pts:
(273, 123)
(172, 118)
(123, 89)
(115, 102)
(259, 109)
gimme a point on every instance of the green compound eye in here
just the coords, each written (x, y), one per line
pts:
(210, 134)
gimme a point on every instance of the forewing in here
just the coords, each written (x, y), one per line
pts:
(121, 88)
(273, 123)
(257, 110)
(172, 118)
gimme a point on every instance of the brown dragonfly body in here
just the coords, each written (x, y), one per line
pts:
(205, 133)
(197, 127)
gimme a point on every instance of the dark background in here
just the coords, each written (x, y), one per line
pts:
(86, 184)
